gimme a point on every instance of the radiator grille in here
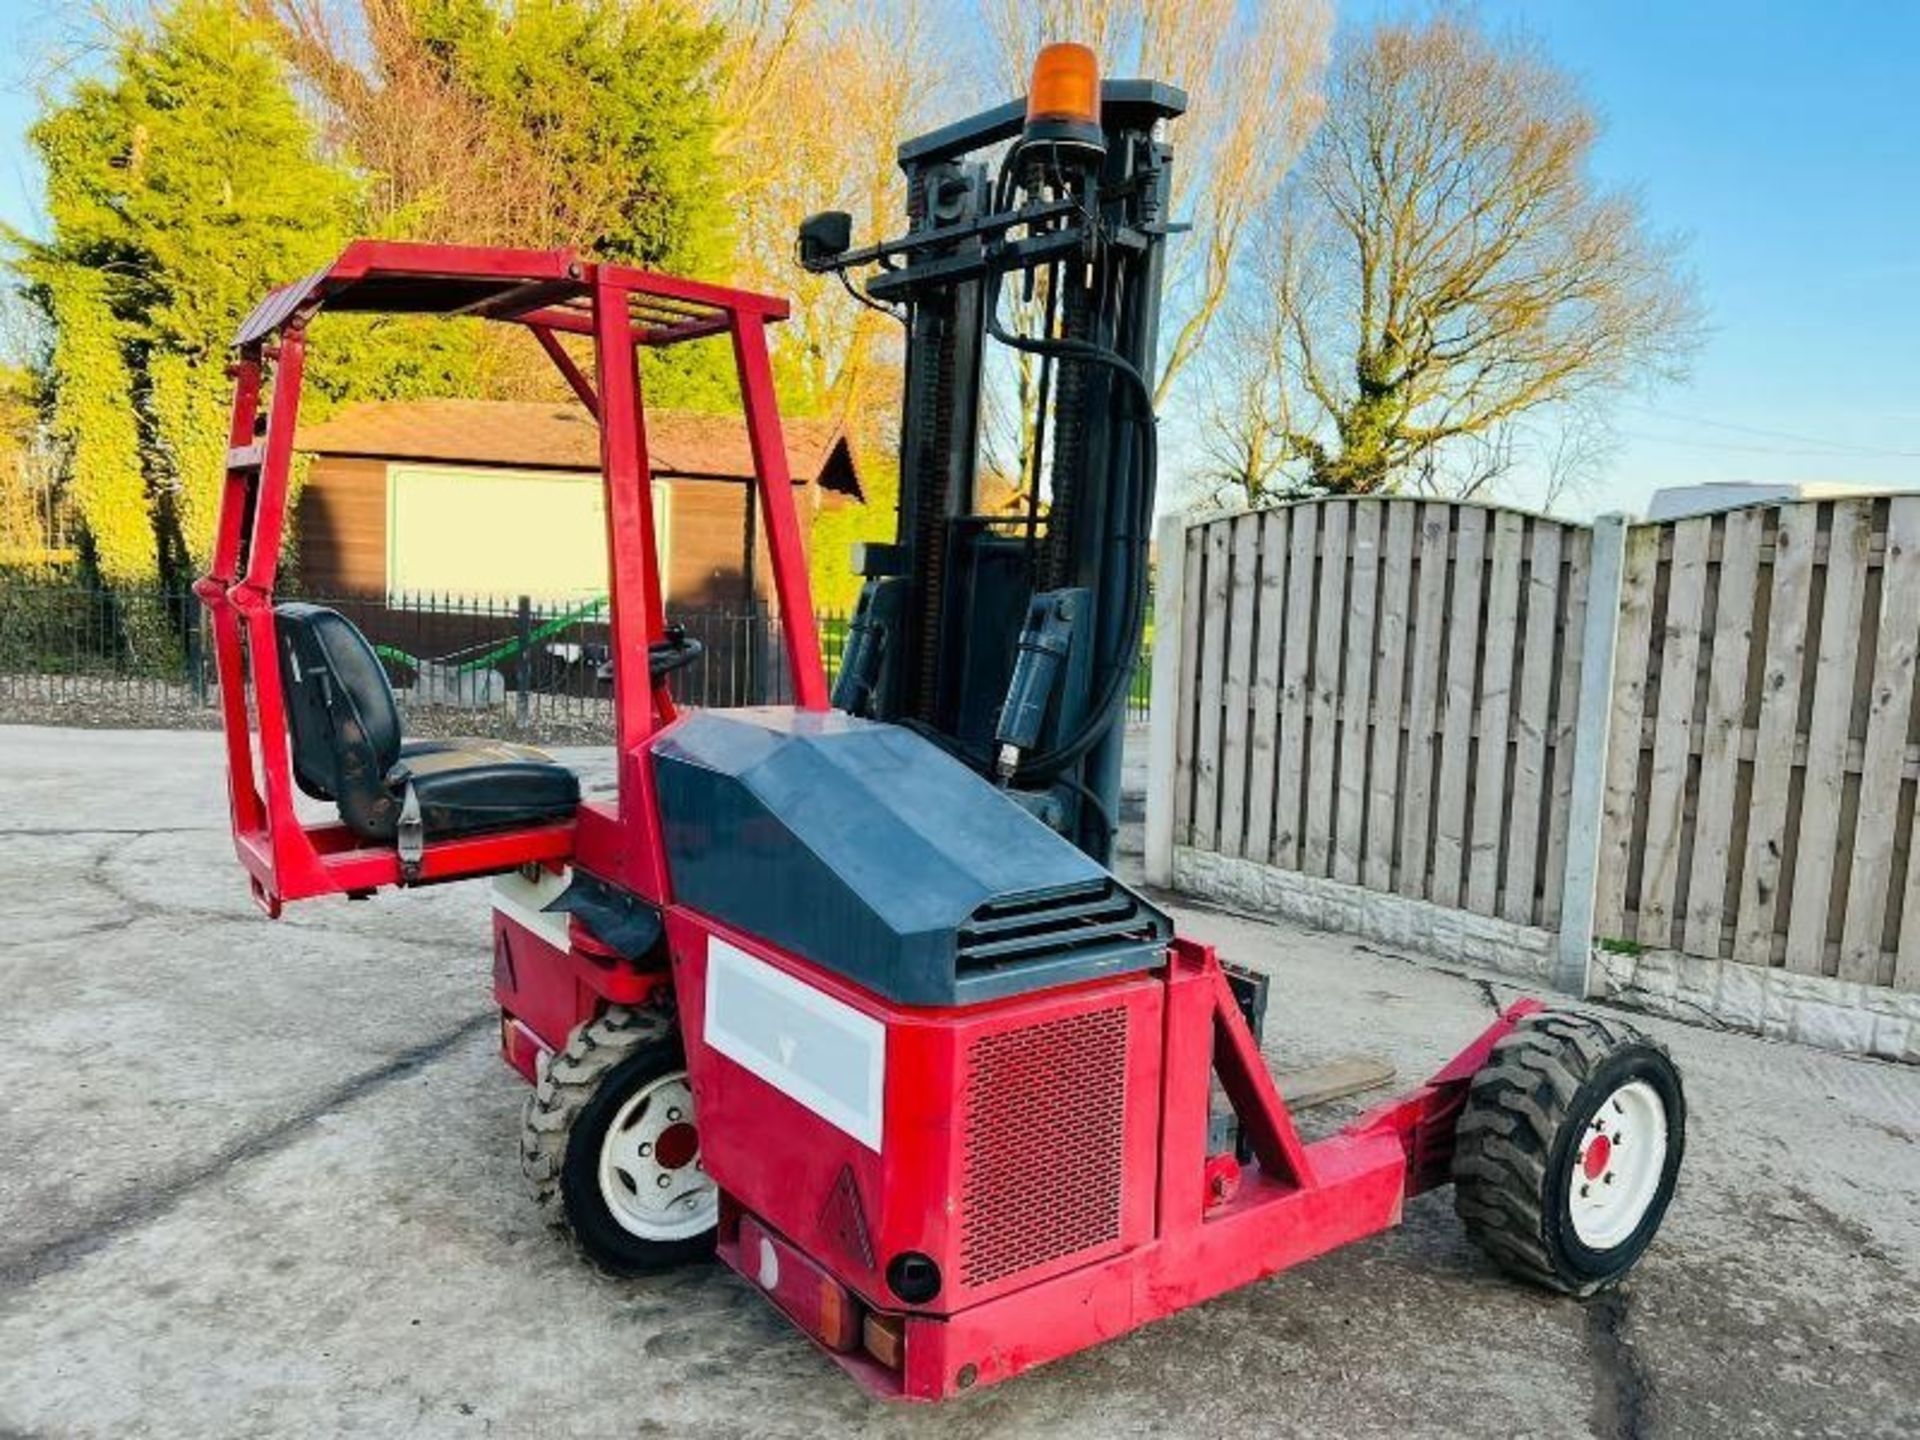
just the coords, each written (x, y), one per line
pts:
(1045, 1142)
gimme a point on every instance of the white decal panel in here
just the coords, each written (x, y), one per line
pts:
(524, 902)
(813, 1049)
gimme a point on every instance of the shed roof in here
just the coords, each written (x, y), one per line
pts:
(562, 436)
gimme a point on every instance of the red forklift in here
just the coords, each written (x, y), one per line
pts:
(843, 990)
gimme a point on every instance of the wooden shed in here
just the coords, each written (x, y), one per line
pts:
(489, 499)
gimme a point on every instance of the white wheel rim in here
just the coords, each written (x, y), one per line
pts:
(1617, 1169)
(656, 1191)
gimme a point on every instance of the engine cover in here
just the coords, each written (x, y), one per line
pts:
(873, 853)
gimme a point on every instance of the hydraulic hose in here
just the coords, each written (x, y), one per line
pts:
(1047, 764)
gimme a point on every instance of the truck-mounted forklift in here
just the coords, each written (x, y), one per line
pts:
(846, 991)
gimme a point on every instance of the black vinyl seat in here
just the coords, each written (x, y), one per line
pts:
(347, 747)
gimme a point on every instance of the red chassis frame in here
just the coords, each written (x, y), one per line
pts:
(1192, 1224)
(618, 309)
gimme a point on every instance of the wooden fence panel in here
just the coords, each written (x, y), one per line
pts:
(1889, 719)
(1186, 736)
(1384, 689)
(1532, 716)
(1823, 784)
(1779, 802)
(1242, 645)
(1707, 912)
(1271, 620)
(1213, 667)
(1779, 723)
(1493, 705)
(1456, 733)
(1356, 704)
(1578, 545)
(1633, 641)
(1295, 678)
(1324, 692)
(1673, 731)
(1426, 645)
(1389, 674)
(1384, 693)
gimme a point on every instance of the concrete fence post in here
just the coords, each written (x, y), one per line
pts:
(1586, 813)
(1163, 715)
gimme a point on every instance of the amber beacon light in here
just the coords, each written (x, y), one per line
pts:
(1063, 102)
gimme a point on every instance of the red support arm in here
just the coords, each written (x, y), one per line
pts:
(791, 586)
(1250, 1089)
(563, 362)
(270, 500)
(243, 795)
(1423, 1121)
(633, 571)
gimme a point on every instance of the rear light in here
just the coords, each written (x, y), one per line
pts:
(811, 1298)
(521, 1048)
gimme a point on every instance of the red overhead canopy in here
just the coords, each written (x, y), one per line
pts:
(547, 288)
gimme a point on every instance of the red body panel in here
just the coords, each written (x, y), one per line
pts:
(787, 1168)
(805, 1176)
(548, 989)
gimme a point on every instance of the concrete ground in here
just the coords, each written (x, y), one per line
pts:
(259, 1179)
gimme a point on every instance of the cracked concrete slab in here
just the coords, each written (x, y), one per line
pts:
(259, 1179)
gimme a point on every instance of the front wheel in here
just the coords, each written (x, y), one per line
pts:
(1567, 1153)
(609, 1140)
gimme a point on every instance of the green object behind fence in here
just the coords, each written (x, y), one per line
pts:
(505, 651)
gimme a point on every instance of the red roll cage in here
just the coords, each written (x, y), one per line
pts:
(618, 309)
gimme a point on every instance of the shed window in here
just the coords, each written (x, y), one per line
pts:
(495, 534)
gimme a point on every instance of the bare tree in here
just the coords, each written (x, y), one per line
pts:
(819, 94)
(1442, 275)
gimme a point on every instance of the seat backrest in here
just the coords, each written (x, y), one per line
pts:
(344, 724)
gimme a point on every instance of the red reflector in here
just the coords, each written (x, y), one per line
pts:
(812, 1299)
(521, 1048)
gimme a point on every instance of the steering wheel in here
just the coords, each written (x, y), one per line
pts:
(677, 651)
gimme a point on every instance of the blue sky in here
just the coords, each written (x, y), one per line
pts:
(1780, 139)
(23, 26)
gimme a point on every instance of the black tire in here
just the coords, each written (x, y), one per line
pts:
(579, 1095)
(1528, 1112)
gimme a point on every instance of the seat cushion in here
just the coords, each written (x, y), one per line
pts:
(503, 749)
(469, 786)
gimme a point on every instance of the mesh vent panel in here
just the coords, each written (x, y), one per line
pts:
(1044, 1143)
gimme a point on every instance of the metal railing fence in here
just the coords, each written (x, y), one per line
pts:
(145, 656)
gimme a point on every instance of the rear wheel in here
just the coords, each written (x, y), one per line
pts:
(610, 1145)
(1566, 1155)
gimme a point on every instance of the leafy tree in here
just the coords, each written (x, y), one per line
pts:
(181, 185)
(538, 123)
(838, 528)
